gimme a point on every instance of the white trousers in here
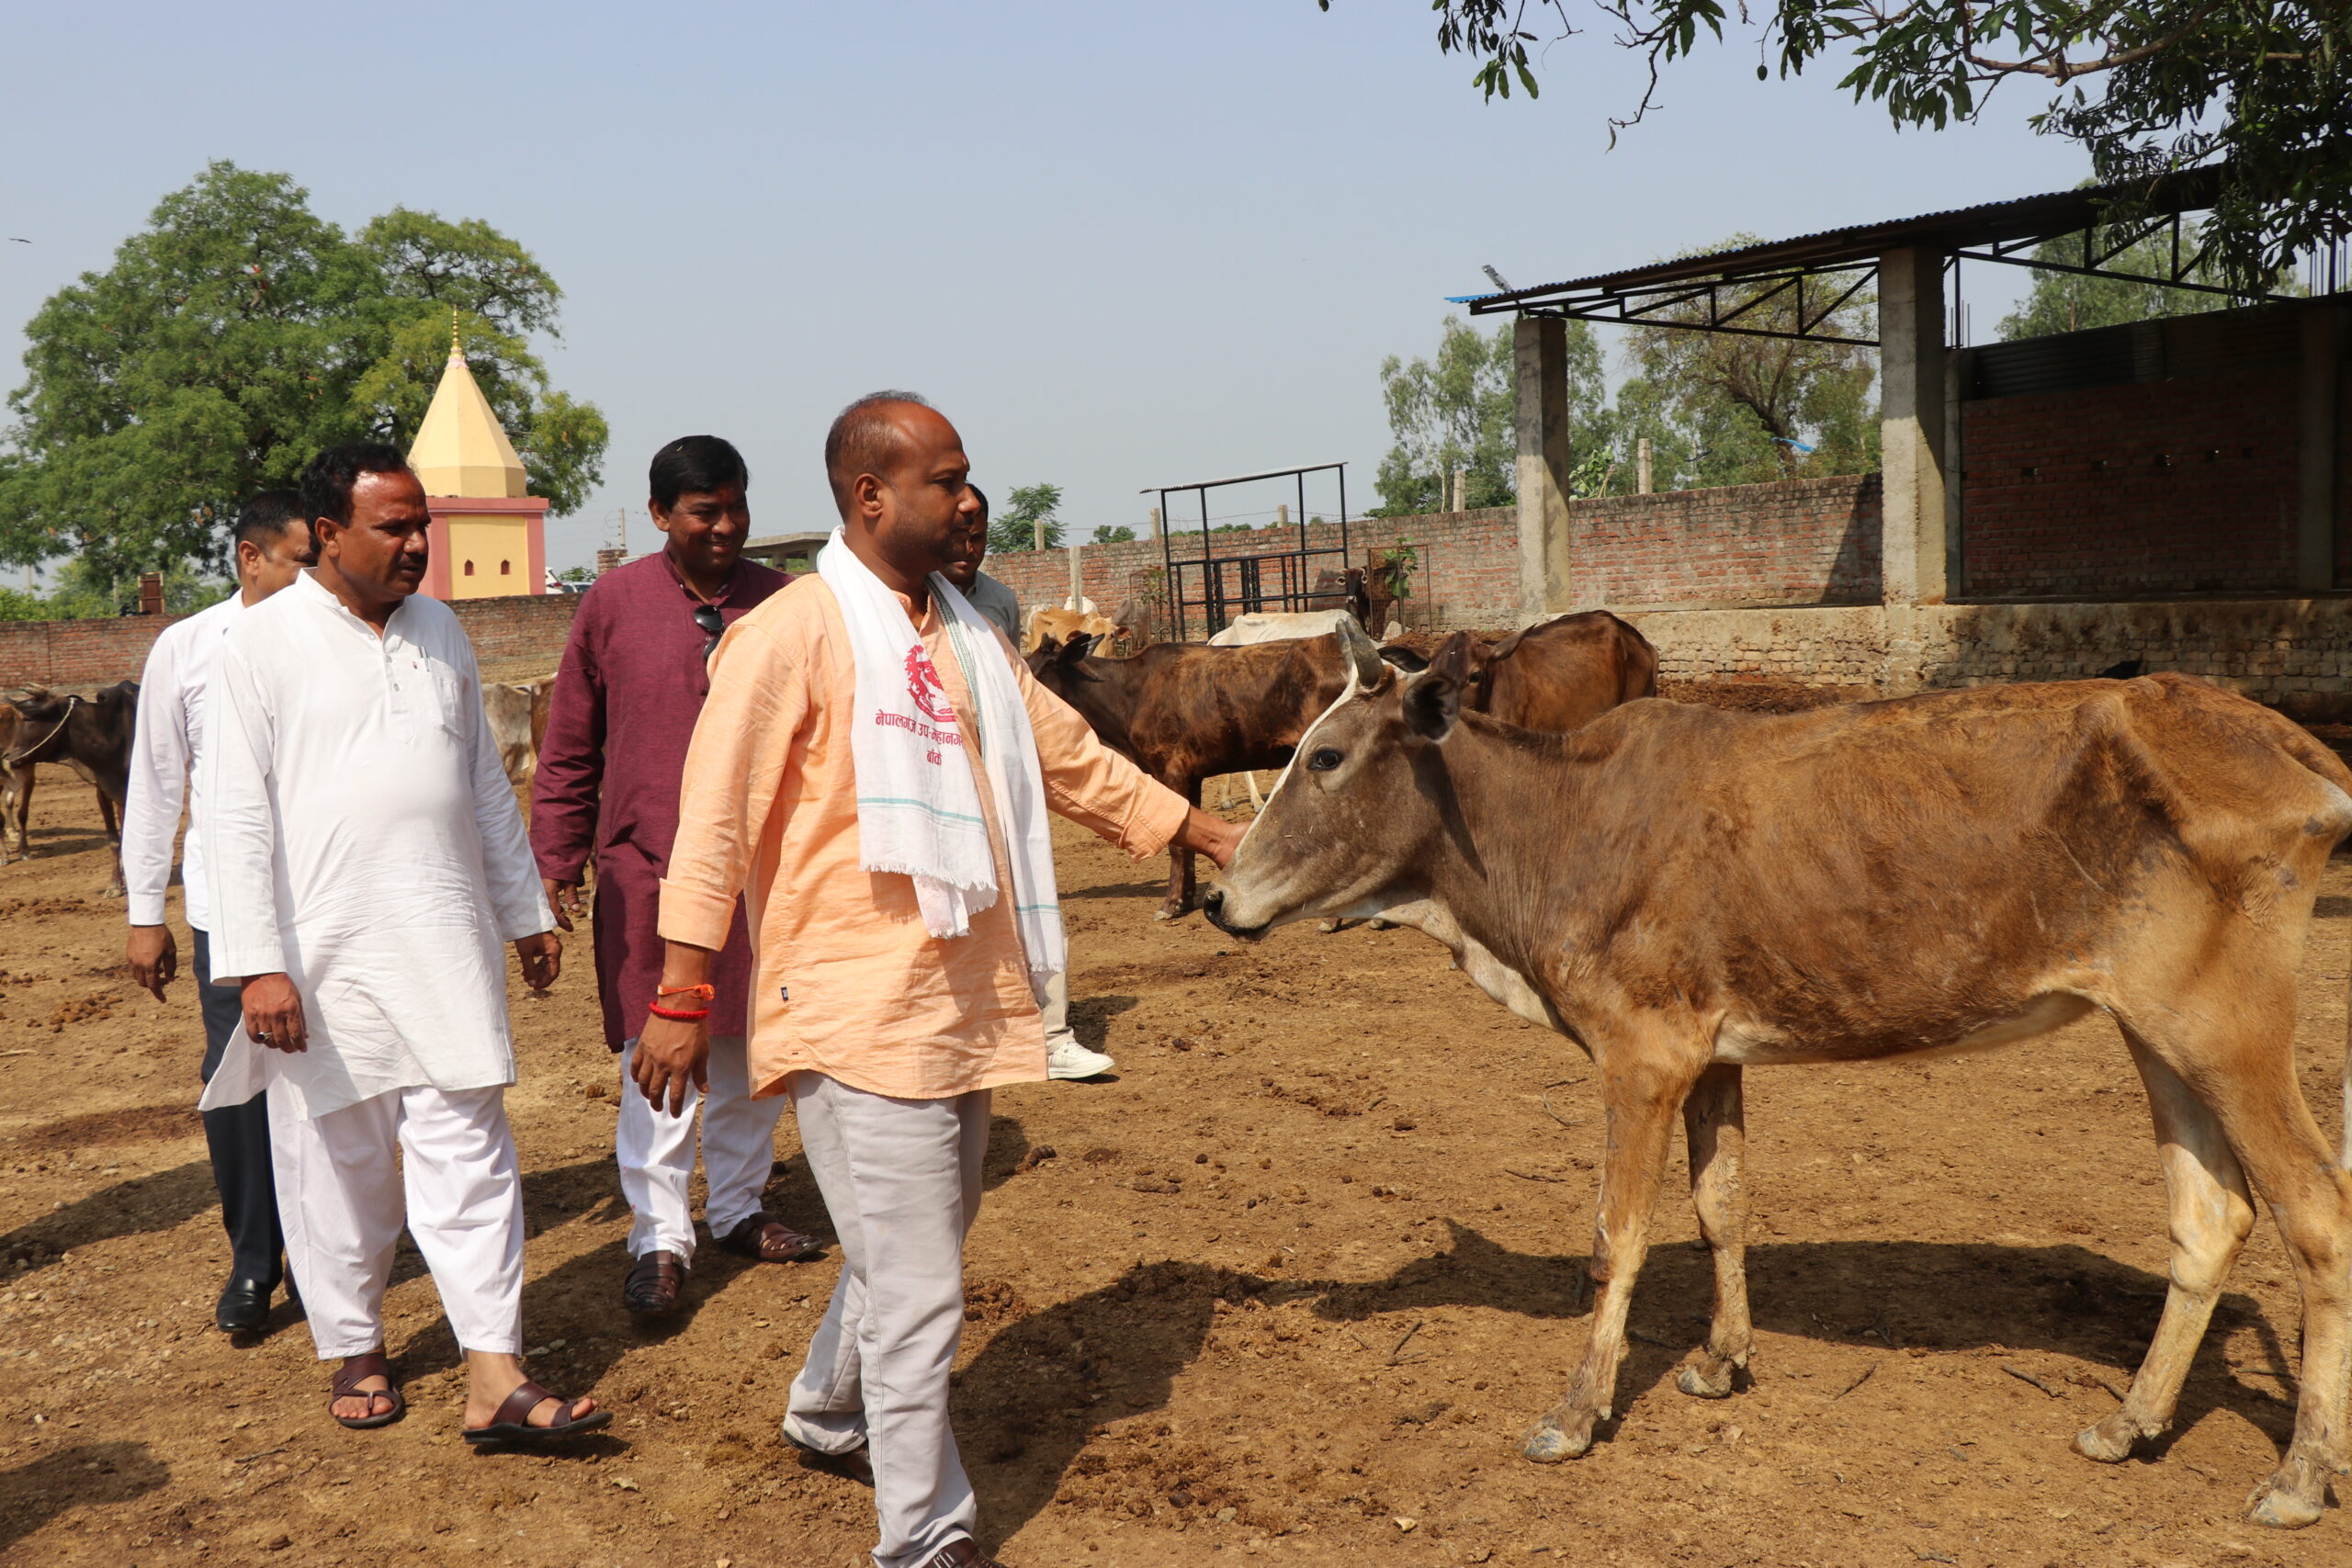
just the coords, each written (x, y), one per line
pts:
(902, 1179)
(441, 1163)
(1055, 1005)
(656, 1151)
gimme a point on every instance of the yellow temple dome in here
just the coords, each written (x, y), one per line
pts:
(461, 449)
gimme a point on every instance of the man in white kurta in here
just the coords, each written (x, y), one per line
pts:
(272, 545)
(368, 862)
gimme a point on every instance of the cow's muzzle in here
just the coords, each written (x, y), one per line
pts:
(1214, 908)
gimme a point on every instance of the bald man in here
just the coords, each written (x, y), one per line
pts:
(872, 770)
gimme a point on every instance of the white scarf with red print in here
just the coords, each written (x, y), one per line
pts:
(919, 811)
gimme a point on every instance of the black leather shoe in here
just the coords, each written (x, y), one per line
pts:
(245, 1306)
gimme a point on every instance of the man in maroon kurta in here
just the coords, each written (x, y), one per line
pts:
(626, 698)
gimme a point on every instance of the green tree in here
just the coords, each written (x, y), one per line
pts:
(238, 333)
(1456, 409)
(2263, 88)
(1118, 534)
(1015, 528)
(1723, 408)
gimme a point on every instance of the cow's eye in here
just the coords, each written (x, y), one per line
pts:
(1323, 761)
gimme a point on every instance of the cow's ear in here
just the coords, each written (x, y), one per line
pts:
(1432, 704)
(1073, 656)
(1505, 647)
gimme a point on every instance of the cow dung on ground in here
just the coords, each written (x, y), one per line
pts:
(1327, 1272)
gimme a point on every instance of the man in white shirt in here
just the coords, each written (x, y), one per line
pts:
(272, 541)
(367, 861)
(1066, 1057)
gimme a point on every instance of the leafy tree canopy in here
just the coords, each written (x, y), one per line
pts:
(1455, 411)
(1722, 409)
(1717, 408)
(1014, 528)
(2143, 85)
(237, 335)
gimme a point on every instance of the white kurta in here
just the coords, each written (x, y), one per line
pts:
(167, 744)
(361, 837)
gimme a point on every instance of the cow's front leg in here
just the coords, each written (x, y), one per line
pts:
(1183, 895)
(1714, 1125)
(1640, 1095)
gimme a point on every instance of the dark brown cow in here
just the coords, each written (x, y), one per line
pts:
(1685, 891)
(1185, 712)
(92, 735)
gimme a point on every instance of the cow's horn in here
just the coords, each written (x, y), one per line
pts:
(1360, 654)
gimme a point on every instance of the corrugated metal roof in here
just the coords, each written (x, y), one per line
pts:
(2058, 212)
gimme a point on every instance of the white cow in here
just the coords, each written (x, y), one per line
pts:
(1278, 625)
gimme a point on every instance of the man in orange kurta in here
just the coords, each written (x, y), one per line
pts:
(888, 1039)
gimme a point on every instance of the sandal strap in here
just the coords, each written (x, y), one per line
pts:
(655, 1273)
(529, 1397)
(357, 1369)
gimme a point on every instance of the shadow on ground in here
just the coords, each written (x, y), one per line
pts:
(1046, 1382)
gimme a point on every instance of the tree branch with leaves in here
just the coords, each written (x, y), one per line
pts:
(2146, 88)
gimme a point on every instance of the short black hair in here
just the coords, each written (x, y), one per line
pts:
(265, 515)
(862, 440)
(982, 497)
(694, 463)
(327, 478)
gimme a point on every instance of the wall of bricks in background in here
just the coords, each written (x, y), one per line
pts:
(2292, 652)
(2184, 486)
(513, 640)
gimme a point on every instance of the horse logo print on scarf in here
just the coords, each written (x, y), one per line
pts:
(925, 687)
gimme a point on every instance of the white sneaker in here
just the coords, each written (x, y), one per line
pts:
(1065, 1058)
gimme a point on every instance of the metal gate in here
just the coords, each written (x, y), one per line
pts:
(1209, 590)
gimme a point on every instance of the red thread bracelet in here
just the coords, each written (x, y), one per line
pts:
(677, 1016)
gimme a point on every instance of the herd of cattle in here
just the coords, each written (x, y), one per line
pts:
(1684, 891)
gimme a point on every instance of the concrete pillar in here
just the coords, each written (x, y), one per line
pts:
(1913, 547)
(1282, 514)
(1911, 424)
(1959, 368)
(1461, 491)
(1642, 467)
(1539, 360)
(1155, 525)
(1077, 578)
(2323, 343)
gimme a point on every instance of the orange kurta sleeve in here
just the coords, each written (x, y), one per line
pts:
(1092, 785)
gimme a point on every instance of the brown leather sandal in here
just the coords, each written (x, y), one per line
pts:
(355, 1370)
(770, 1240)
(512, 1423)
(654, 1283)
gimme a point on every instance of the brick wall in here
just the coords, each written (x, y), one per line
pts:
(1805, 542)
(2292, 653)
(2184, 486)
(514, 639)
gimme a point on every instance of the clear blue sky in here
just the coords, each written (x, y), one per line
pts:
(1121, 246)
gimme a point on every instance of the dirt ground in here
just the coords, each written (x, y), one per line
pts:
(1291, 1287)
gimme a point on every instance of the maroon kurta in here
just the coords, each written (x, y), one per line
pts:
(626, 698)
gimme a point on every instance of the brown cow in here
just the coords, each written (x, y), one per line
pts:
(1185, 712)
(517, 714)
(15, 785)
(1684, 891)
(1559, 674)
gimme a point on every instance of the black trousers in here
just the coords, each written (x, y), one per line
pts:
(239, 1137)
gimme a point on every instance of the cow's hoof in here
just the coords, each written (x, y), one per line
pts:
(1552, 1443)
(2110, 1441)
(1713, 1377)
(2291, 1498)
(1377, 924)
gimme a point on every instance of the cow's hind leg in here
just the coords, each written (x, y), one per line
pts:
(1715, 1124)
(2213, 1214)
(2235, 1047)
(114, 840)
(1641, 1094)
